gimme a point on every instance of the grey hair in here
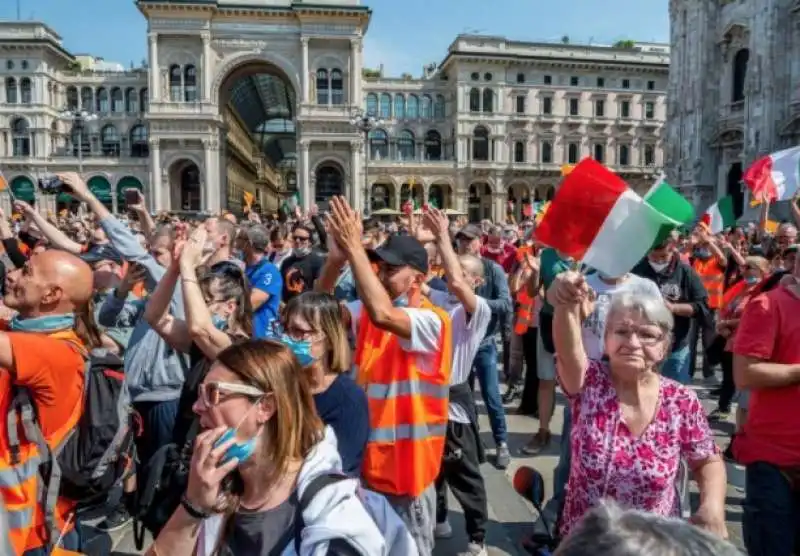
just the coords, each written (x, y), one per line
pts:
(608, 530)
(647, 305)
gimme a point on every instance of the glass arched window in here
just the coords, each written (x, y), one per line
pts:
(438, 107)
(190, 83)
(372, 105)
(131, 101)
(72, 98)
(323, 87)
(11, 90)
(175, 85)
(624, 155)
(117, 102)
(405, 145)
(337, 87)
(519, 151)
(25, 91)
(102, 100)
(378, 145)
(399, 106)
(20, 137)
(547, 152)
(433, 145)
(144, 99)
(739, 74)
(109, 141)
(412, 107)
(427, 106)
(386, 106)
(87, 99)
(139, 145)
(480, 144)
(488, 100)
(474, 100)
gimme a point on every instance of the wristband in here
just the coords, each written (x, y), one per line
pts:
(193, 510)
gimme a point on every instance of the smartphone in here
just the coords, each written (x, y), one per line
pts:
(131, 196)
(51, 185)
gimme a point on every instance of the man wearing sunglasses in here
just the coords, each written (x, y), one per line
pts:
(264, 277)
(403, 356)
(301, 269)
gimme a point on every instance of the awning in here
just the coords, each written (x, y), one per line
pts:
(101, 189)
(23, 189)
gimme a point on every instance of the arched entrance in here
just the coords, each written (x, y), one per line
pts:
(186, 191)
(440, 195)
(382, 196)
(479, 203)
(412, 192)
(329, 181)
(735, 189)
(101, 189)
(258, 101)
(519, 197)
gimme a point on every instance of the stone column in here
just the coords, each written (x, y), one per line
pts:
(154, 194)
(306, 76)
(356, 193)
(305, 177)
(207, 67)
(211, 185)
(355, 72)
(155, 85)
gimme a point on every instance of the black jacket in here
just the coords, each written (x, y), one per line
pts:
(679, 283)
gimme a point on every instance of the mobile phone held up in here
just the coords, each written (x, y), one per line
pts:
(132, 196)
(52, 185)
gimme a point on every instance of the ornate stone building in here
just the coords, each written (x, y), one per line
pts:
(258, 96)
(734, 92)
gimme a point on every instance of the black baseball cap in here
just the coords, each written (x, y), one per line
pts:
(470, 231)
(402, 250)
(102, 252)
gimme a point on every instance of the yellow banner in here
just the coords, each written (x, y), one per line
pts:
(248, 201)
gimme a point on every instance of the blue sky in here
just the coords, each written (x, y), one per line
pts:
(403, 35)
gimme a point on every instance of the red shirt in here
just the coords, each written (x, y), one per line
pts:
(505, 257)
(770, 330)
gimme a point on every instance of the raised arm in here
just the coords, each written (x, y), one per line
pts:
(55, 236)
(436, 221)
(568, 294)
(157, 314)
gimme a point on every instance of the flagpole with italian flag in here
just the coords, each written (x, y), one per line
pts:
(720, 215)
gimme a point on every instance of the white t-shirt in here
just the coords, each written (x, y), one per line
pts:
(468, 331)
(594, 326)
(426, 327)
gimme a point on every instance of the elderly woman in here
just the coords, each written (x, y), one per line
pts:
(631, 427)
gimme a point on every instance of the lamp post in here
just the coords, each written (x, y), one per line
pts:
(79, 119)
(365, 123)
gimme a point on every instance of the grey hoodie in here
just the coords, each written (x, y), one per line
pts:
(153, 370)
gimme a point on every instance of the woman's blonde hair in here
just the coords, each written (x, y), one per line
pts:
(324, 313)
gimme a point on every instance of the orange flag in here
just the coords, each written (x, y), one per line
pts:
(566, 169)
(248, 201)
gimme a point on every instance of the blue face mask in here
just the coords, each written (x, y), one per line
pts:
(242, 451)
(219, 322)
(751, 280)
(401, 301)
(300, 348)
(702, 253)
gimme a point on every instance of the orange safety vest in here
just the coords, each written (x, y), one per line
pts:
(524, 313)
(19, 481)
(713, 278)
(408, 408)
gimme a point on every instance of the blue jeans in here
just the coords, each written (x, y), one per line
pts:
(485, 368)
(677, 365)
(771, 512)
(71, 541)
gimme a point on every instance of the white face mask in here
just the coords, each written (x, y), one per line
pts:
(658, 267)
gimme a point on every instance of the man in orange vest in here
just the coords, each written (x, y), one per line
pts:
(403, 356)
(709, 261)
(40, 352)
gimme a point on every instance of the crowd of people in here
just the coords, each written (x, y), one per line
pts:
(306, 384)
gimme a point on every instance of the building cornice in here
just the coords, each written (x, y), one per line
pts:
(519, 60)
(32, 44)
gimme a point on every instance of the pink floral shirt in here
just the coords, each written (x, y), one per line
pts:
(609, 462)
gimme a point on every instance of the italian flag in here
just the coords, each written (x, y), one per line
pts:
(596, 219)
(719, 215)
(671, 205)
(774, 177)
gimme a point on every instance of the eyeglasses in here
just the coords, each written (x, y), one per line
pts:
(646, 337)
(278, 329)
(301, 239)
(214, 393)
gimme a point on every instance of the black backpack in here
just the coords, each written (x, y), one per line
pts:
(96, 454)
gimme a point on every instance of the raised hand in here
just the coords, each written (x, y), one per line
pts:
(205, 471)
(77, 186)
(435, 221)
(569, 289)
(194, 250)
(345, 225)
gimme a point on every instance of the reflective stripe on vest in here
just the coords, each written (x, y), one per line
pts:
(17, 474)
(20, 519)
(407, 388)
(406, 432)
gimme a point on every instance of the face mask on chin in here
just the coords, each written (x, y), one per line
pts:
(301, 251)
(752, 280)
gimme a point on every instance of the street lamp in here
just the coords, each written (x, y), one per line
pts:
(365, 123)
(79, 119)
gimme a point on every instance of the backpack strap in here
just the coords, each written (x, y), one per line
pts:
(312, 489)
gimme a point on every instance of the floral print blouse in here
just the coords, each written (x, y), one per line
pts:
(608, 461)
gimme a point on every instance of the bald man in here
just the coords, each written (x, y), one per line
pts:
(40, 352)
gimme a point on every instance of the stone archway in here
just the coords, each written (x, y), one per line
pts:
(328, 182)
(185, 189)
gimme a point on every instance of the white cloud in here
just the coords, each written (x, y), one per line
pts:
(395, 60)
